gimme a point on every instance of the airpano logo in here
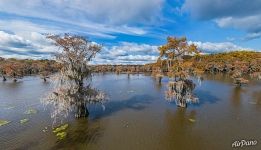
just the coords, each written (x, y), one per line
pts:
(242, 143)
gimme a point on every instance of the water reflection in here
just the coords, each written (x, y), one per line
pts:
(136, 116)
(158, 85)
(137, 103)
(83, 134)
(205, 97)
(180, 130)
(236, 96)
(257, 97)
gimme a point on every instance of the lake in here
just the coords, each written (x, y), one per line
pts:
(136, 116)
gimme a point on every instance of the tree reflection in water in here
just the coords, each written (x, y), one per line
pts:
(83, 134)
(180, 130)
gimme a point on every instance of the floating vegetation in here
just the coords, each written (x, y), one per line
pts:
(3, 122)
(61, 128)
(192, 120)
(30, 111)
(24, 121)
(60, 133)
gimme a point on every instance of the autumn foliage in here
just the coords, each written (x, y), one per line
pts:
(16, 68)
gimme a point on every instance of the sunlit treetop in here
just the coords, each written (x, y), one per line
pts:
(176, 48)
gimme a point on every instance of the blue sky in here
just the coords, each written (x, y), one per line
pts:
(129, 30)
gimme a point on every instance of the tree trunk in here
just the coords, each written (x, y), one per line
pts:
(159, 79)
(82, 111)
(4, 78)
(183, 104)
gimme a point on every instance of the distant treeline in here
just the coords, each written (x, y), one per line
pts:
(247, 61)
(123, 68)
(17, 68)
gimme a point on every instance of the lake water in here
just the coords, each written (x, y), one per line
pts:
(137, 117)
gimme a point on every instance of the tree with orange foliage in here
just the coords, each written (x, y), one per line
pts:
(12, 70)
(180, 89)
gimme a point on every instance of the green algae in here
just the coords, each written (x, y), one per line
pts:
(61, 135)
(61, 128)
(60, 131)
(4, 122)
(22, 121)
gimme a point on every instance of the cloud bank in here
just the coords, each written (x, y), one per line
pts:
(105, 11)
(210, 47)
(239, 14)
(36, 46)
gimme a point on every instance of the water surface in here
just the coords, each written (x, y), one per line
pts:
(136, 116)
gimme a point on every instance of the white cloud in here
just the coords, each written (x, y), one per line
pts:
(209, 47)
(13, 40)
(105, 11)
(251, 24)
(24, 28)
(99, 18)
(34, 46)
(239, 14)
(127, 53)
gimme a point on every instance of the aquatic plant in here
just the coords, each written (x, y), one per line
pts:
(72, 85)
(61, 135)
(22, 121)
(60, 131)
(3, 122)
(61, 128)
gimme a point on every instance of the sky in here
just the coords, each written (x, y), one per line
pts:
(130, 31)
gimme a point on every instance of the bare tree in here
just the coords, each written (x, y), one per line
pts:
(71, 93)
